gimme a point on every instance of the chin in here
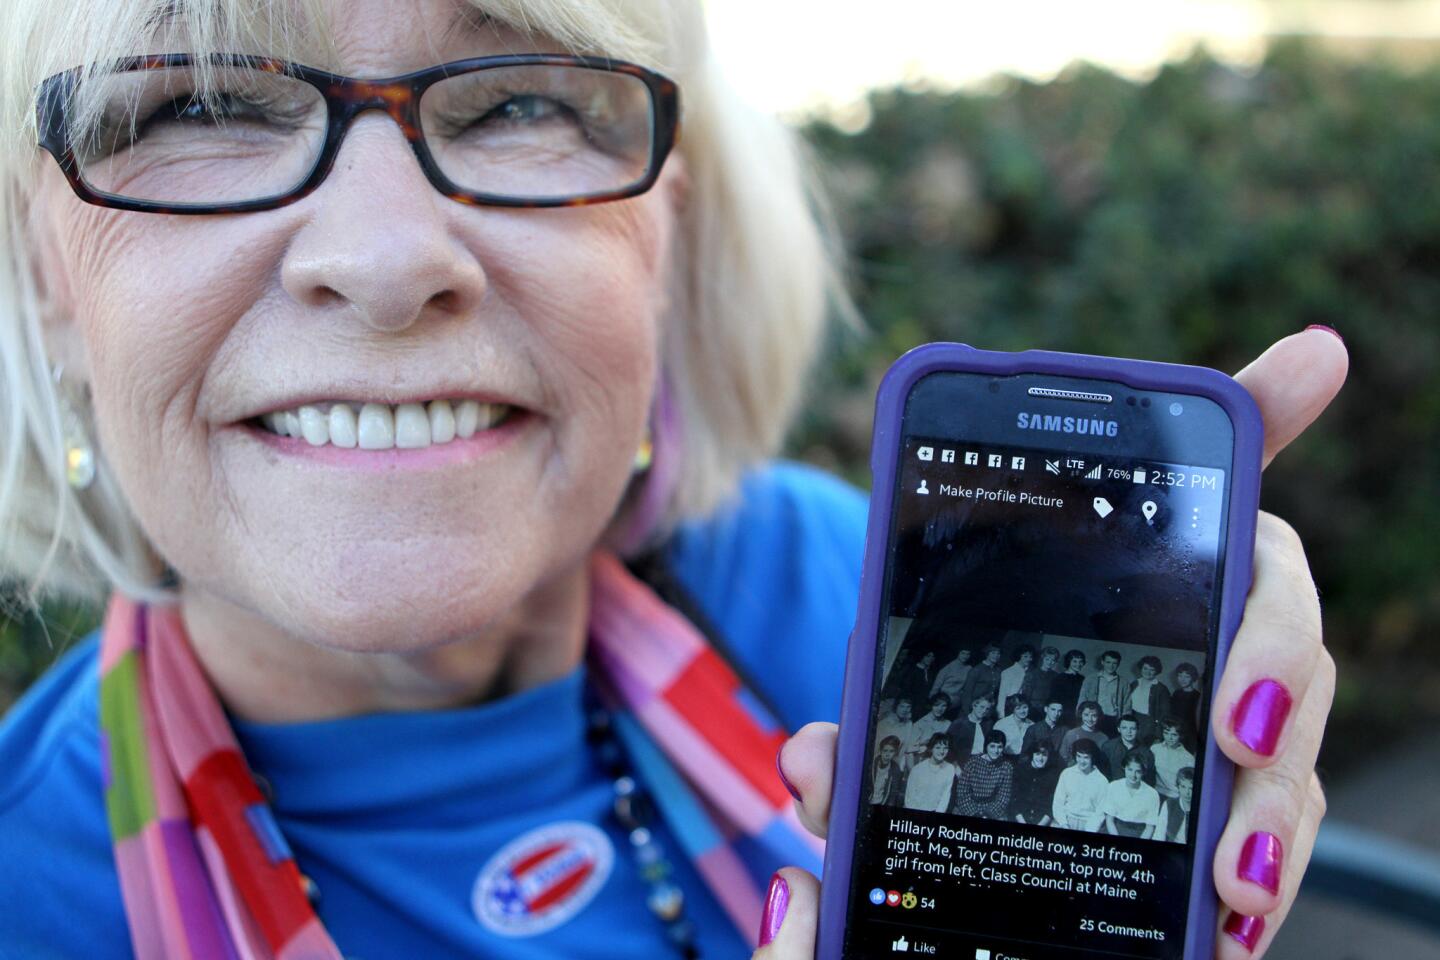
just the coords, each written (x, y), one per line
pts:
(418, 611)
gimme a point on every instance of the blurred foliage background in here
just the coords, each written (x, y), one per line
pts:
(1195, 217)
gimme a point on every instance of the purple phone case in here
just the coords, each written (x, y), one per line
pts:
(859, 666)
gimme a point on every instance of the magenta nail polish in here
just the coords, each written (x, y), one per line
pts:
(1260, 860)
(777, 901)
(784, 779)
(1244, 930)
(1330, 330)
(1260, 716)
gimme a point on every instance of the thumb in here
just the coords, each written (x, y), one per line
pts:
(787, 924)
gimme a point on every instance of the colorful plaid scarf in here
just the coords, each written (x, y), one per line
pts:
(206, 873)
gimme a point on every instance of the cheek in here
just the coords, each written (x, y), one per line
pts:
(588, 284)
(150, 333)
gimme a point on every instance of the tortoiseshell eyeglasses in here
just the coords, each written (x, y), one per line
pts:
(231, 133)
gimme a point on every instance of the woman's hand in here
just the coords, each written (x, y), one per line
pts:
(1269, 713)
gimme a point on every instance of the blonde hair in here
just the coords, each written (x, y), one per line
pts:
(755, 266)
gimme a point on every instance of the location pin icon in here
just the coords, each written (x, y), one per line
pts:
(1148, 508)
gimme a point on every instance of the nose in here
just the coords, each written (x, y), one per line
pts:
(378, 241)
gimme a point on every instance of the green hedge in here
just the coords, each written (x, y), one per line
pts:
(1195, 217)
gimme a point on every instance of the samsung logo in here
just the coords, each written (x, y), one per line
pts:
(1057, 424)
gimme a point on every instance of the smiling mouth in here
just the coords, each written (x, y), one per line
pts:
(382, 426)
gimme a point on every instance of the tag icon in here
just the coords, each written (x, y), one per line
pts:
(1102, 507)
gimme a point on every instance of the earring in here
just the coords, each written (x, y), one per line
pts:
(79, 455)
(645, 455)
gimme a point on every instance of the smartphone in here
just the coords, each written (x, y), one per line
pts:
(1058, 554)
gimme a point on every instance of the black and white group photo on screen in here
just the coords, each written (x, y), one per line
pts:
(1077, 734)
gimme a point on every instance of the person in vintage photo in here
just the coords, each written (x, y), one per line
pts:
(1041, 680)
(931, 782)
(913, 680)
(1015, 726)
(1048, 730)
(1121, 746)
(886, 777)
(1106, 688)
(932, 723)
(1173, 823)
(1066, 687)
(1170, 757)
(898, 725)
(1089, 729)
(1013, 681)
(969, 732)
(984, 679)
(1131, 806)
(1149, 698)
(1185, 704)
(1034, 795)
(1080, 790)
(985, 782)
(951, 678)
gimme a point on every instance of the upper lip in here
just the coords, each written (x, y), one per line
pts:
(364, 394)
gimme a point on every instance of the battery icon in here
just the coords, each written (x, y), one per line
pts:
(1138, 476)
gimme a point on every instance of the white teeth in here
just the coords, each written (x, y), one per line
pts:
(442, 422)
(315, 426)
(467, 418)
(342, 426)
(412, 426)
(379, 426)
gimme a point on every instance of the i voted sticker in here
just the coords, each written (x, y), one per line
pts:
(541, 879)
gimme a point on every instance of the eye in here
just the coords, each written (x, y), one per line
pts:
(528, 108)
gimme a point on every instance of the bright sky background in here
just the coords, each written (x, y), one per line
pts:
(794, 56)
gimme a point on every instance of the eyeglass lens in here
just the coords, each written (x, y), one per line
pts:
(534, 131)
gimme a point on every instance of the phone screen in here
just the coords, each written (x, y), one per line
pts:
(1044, 661)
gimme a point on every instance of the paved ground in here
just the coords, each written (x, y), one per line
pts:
(1397, 795)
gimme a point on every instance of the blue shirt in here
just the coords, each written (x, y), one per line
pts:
(394, 815)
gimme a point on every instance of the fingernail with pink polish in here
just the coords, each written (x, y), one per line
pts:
(1260, 860)
(784, 779)
(1330, 330)
(1260, 716)
(1244, 930)
(777, 900)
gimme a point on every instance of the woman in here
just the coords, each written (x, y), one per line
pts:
(985, 782)
(1089, 729)
(1080, 791)
(1170, 757)
(403, 649)
(1131, 806)
(916, 681)
(1035, 780)
(899, 727)
(931, 782)
(951, 678)
(886, 776)
(1185, 703)
(1016, 726)
(1015, 681)
(1066, 687)
(1148, 697)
